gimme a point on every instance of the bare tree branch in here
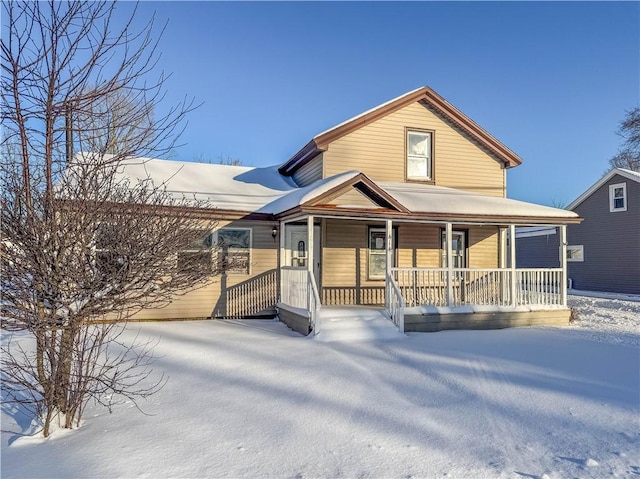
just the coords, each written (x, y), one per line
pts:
(629, 154)
(81, 250)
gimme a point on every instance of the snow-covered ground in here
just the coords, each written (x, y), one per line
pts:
(254, 399)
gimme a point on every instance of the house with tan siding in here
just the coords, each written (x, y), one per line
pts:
(402, 208)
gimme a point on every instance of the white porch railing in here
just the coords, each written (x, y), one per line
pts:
(482, 287)
(541, 287)
(299, 290)
(395, 303)
(314, 303)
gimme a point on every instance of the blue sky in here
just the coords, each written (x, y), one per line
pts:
(550, 80)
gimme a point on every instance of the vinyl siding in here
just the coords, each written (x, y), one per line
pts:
(202, 303)
(483, 247)
(538, 251)
(310, 172)
(611, 242)
(353, 198)
(378, 150)
(345, 256)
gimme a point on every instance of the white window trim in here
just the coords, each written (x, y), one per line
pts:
(429, 157)
(378, 252)
(577, 247)
(250, 230)
(612, 199)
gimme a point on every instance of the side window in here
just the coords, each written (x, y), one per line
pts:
(419, 160)
(196, 254)
(575, 253)
(234, 250)
(618, 197)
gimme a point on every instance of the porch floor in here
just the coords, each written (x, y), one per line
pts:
(355, 323)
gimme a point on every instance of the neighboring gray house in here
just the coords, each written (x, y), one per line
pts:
(603, 252)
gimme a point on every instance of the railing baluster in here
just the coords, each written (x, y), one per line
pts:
(428, 286)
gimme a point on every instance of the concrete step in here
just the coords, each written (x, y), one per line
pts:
(355, 323)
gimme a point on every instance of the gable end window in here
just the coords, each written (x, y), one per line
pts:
(618, 197)
(419, 155)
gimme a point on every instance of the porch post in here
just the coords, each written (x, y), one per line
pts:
(388, 259)
(449, 256)
(563, 264)
(502, 242)
(283, 258)
(310, 258)
(512, 262)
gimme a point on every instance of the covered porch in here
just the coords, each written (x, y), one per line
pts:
(432, 257)
(422, 286)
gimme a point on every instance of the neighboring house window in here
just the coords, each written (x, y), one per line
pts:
(377, 252)
(419, 161)
(575, 253)
(618, 197)
(458, 248)
(234, 250)
(197, 254)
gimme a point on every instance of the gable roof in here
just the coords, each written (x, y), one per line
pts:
(425, 95)
(628, 174)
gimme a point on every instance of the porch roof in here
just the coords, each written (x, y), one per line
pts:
(418, 202)
(440, 200)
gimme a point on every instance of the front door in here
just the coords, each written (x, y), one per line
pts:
(297, 248)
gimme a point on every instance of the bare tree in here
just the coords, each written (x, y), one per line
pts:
(629, 154)
(219, 160)
(83, 248)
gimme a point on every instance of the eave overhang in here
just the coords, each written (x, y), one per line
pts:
(426, 95)
(384, 214)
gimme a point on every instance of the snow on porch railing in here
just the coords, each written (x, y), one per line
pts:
(299, 290)
(395, 303)
(485, 287)
(294, 286)
(314, 303)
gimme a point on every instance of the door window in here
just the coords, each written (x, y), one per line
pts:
(458, 249)
(299, 253)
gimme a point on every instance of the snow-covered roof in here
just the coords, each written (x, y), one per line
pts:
(442, 200)
(629, 174)
(303, 195)
(240, 188)
(534, 231)
(266, 191)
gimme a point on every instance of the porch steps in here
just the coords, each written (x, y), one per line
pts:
(355, 323)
